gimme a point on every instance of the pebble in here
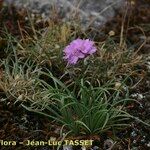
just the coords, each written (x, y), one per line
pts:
(95, 148)
(133, 134)
(108, 144)
(67, 147)
(137, 95)
(134, 141)
(142, 140)
(83, 148)
(148, 145)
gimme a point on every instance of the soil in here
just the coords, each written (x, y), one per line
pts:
(20, 125)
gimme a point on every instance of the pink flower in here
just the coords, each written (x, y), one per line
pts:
(78, 49)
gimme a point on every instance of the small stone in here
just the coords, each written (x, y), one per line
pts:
(83, 148)
(95, 148)
(67, 147)
(137, 95)
(148, 145)
(133, 134)
(142, 140)
(108, 144)
(26, 18)
(140, 96)
(134, 141)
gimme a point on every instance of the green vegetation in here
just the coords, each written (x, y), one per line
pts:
(85, 99)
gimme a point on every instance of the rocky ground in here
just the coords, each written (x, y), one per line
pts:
(18, 124)
(95, 12)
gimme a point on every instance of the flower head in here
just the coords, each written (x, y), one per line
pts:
(78, 49)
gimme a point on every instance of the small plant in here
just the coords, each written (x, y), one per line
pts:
(83, 96)
(18, 79)
(84, 109)
(47, 48)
